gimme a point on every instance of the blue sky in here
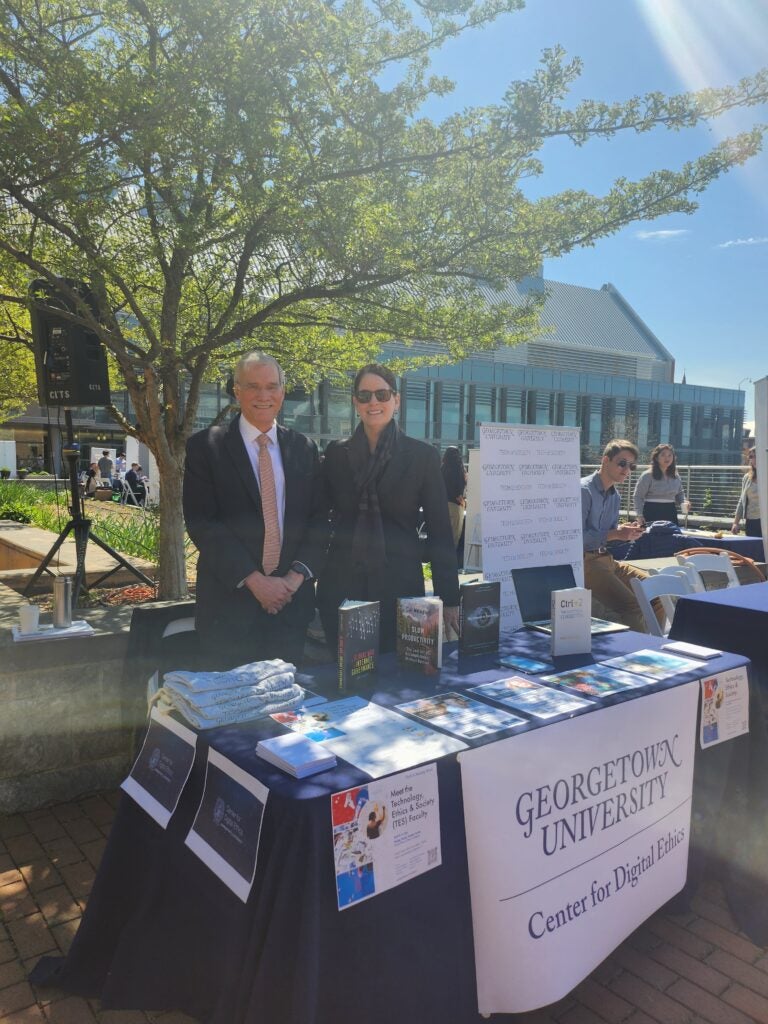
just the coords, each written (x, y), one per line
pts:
(699, 282)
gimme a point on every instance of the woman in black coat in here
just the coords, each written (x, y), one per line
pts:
(380, 486)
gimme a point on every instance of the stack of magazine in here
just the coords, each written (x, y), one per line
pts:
(296, 754)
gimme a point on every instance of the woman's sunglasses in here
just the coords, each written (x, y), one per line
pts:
(623, 463)
(382, 395)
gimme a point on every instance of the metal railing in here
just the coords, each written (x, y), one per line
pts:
(713, 491)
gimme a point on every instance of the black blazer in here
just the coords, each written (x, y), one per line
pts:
(412, 481)
(222, 510)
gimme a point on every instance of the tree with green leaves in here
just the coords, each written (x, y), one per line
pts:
(257, 174)
(18, 386)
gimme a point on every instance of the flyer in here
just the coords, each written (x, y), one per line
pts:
(654, 665)
(596, 680)
(532, 698)
(461, 715)
(385, 833)
(226, 830)
(346, 726)
(162, 768)
(724, 707)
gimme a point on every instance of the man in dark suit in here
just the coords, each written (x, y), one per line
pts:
(253, 507)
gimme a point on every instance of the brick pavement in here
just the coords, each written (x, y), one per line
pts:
(675, 969)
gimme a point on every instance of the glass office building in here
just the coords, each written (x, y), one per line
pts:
(595, 366)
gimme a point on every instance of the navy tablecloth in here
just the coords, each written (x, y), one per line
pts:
(663, 544)
(162, 932)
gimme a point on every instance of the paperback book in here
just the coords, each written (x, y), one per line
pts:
(523, 664)
(296, 754)
(480, 614)
(420, 633)
(596, 680)
(532, 698)
(691, 650)
(358, 641)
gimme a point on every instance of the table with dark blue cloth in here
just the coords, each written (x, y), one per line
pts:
(651, 545)
(162, 932)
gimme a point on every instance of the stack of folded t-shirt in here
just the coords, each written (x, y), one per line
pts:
(209, 699)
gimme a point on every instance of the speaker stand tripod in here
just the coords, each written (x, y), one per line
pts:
(80, 527)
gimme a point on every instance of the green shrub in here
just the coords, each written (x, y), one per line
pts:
(15, 513)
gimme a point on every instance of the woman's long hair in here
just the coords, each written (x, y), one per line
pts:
(753, 466)
(656, 468)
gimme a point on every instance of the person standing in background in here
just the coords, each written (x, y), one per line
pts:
(105, 468)
(455, 480)
(748, 507)
(659, 490)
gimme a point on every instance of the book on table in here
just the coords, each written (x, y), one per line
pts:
(420, 633)
(296, 754)
(479, 616)
(358, 641)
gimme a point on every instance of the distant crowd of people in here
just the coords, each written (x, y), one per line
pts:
(130, 486)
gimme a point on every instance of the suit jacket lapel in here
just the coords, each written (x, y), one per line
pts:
(397, 465)
(286, 453)
(233, 442)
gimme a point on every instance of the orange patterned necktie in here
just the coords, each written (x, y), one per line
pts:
(272, 542)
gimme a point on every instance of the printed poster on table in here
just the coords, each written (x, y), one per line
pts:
(530, 504)
(587, 837)
(225, 832)
(162, 768)
(385, 833)
(724, 706)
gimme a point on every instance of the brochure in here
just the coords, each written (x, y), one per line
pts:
(653, 665)
(525, 664)
(596, 680)
(346, 726)
(724, 707)
(461, 715)
(385, 833)
(532, 698)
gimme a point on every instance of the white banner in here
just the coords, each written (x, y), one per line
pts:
(576, 833)
(531, 504)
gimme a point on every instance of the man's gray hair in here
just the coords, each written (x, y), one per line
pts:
(258, 357)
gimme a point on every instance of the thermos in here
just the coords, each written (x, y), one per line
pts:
(62, 602)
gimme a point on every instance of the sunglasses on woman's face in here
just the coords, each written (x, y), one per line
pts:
(382, 395)
(623, 463)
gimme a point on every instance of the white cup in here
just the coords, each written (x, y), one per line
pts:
(686, 507)
(29, 618)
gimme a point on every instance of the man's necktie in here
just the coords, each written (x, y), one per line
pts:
(269, 507)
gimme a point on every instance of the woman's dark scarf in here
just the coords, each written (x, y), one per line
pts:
(367, 468)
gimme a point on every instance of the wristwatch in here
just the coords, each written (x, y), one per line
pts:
(300, 568)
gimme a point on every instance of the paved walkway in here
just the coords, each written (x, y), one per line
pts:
(676, 969)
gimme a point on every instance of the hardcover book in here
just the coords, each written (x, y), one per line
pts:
(480, 614)
(358, 641)
(420, 633)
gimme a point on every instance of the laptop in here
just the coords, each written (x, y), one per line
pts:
(534, 587)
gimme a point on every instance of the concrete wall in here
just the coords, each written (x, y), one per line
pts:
(64, 730)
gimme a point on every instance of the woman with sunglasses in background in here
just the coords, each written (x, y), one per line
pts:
(380, 486)
(748, 507)
(659, 490)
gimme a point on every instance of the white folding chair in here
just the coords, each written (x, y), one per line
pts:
(688, 572)
(663, 587)
(712, 563)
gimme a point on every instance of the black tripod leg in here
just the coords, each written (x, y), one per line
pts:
(49, 557)
(82, 533)
(122, 562)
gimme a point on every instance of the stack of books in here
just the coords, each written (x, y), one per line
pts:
(296, 754)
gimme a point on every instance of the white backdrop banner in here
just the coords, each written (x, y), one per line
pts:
(576, 833)
(531, 504)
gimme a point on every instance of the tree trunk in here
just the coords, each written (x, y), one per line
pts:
(172, 575)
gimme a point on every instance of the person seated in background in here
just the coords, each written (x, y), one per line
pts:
(137, 491)
(659, 490)
(608, 579)
(92, 480)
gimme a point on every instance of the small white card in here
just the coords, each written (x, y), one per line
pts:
(571, 621)
(724, 707)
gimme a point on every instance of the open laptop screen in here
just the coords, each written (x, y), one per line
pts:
(534, 587)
